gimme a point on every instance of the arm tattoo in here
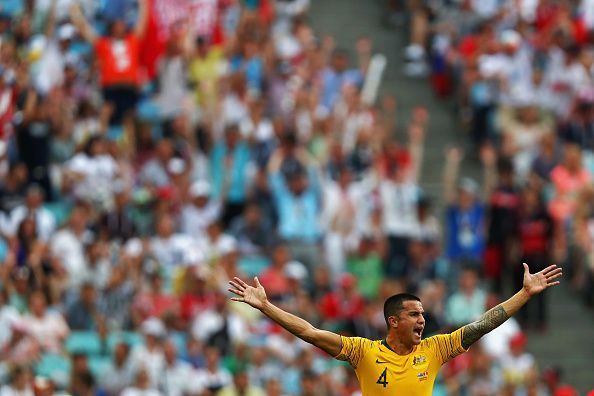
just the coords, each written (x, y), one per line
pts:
(487, 322)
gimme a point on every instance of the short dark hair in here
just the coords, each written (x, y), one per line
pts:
(394, 304)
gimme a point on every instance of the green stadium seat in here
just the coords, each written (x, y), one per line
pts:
(86, 342)
(53, 366)
(253, 265)
(98, 365)
(129, 337)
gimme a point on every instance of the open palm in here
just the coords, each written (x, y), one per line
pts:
(254, 296)
(536, 283)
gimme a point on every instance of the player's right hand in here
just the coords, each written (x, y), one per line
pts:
(254, 296)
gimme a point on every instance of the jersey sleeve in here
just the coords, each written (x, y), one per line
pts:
(446, 346)
(353, 349)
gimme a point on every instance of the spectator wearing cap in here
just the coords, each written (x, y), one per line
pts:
(201, 211)
(150, 356)
(230, 164)
(45, 223)
(465, 214)
(50, 68)
(518, 367)
(119, 55)
(298, 202)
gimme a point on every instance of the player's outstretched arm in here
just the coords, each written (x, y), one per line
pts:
(533, 284)
(329, 342)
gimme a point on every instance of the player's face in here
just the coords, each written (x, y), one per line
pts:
(411, 322)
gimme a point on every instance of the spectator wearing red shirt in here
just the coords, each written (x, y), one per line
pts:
(197, 296)
(274, 278)
(155, 303)
(119, 59)
(344, 305)
(535, 231)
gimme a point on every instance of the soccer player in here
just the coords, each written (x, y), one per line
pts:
(402, 363)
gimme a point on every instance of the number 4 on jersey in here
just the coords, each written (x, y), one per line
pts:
(383, 378)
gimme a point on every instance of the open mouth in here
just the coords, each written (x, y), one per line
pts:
(418, 331)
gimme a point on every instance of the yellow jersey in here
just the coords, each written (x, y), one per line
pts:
(382, 371)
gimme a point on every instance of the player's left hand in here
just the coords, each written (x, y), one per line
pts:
(536, 283)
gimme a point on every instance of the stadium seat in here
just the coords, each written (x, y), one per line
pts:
(54, 366)
(86, 342)
(253, 265)
(131, 338)
(98, 365)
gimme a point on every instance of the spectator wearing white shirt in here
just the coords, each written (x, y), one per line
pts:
(175, 379)
(20, 383)
(92, 173)
(142, 386)
(47, 327)
(213, 377)
(67, 245)
(218, 326)
(33, 207)
(344, 208)
(118, 375)
(170, 248)
(150, 356)
(202, 211)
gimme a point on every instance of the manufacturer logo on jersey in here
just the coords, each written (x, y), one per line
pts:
(423, 376)
(419, 360)
(380, 362)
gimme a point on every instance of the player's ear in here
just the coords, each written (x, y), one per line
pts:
(393, 321)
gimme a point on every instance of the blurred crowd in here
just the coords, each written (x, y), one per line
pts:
(151, 150)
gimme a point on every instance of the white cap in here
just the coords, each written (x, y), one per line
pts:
(133, 248)
(66, 31)
(176, 166)
(200, 188)
(153, 327)
(295, 270)
(226, 244)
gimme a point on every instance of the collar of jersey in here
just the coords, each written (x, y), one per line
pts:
(385, 343)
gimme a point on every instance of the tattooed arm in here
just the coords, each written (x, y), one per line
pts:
(493, 318)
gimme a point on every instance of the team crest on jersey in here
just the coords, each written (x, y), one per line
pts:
(419, 360)
(423, 376)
